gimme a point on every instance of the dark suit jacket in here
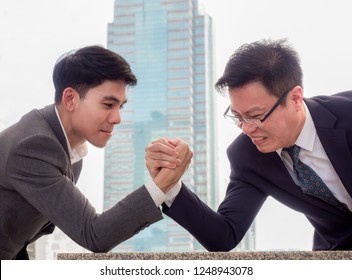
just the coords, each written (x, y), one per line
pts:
(37, 190)
(255, 175)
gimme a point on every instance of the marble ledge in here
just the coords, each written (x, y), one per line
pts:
(258, 255)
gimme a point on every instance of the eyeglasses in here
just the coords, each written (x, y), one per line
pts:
(254, 122)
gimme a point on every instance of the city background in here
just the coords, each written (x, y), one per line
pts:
(169, 44)
(33, 34)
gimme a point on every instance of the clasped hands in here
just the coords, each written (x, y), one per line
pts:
(167, 160)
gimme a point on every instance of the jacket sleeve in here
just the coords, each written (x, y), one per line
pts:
(38, 169)
(219, 230)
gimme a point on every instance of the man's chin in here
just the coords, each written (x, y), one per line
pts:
(264, 150)
(98, 144)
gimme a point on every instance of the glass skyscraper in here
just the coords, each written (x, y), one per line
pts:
(168, 44)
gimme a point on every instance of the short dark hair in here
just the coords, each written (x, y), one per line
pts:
(89, 67)
(274, 64)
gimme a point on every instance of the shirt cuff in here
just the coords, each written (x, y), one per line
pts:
(159, 196)
(171, 194)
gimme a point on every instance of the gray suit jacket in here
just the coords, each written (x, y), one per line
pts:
(37, 191)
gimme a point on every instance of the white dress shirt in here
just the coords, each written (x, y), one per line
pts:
(159, 197)
(79, 152)
(313, 154)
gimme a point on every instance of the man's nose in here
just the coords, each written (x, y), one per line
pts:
(115, 116)
(248, 128)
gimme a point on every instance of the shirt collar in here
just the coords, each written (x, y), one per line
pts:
(80, 151)
(307, 136)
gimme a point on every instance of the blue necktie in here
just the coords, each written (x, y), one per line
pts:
(310, 182)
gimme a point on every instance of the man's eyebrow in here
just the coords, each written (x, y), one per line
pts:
(114, 99)
(250, 111)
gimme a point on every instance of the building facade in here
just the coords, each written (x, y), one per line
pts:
(169, 46)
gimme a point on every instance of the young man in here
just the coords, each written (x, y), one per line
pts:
(297, 150)
(41, 159)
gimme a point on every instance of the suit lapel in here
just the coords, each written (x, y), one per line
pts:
(334, 142)
(272, 165)
(336, 147)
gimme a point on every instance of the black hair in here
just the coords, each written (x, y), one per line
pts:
(274, 64)
(89, 67)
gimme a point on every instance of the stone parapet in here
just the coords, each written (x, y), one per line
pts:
(267, 255)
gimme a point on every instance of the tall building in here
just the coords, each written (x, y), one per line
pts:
(169, 46)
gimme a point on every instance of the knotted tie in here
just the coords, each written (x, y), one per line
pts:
(309, 181)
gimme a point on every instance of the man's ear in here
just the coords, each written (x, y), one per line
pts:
(297, 97)
(69, 98)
